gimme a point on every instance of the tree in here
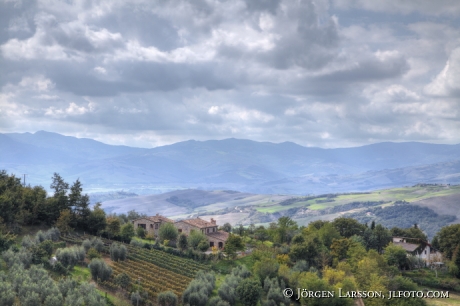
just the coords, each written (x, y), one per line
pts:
(97, 219)
(140, 232)
(266, 268)
(127, 231)
(99, 270)
(348, 227)
(448, 239)
(195, 238)
(64, 221)
(183, 244)
(168, 231)
(249, 291)
(113, 226)
(395, 255)
(227, 227)
(123, 280)
(118, 252)
(285, 229)
(234, 243)
(167, 298)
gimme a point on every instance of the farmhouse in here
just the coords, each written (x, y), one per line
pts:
(215, 237)
(151, 224)
(419, 248)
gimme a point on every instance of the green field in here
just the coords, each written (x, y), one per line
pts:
(408, 194)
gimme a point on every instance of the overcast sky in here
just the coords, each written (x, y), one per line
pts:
(321, 73)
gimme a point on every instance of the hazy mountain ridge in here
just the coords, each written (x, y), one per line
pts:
(245, 165)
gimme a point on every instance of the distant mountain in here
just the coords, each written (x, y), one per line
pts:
(227, 164)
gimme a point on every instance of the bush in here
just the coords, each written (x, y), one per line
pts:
(69, 257)
(141, 233)
(248, 291)
(168, 231)
(118, 252)
(99, 270)
(167, 298)
(137, 243)
(93, 253)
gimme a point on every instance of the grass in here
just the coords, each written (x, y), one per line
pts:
(81, 273)
(226, 266)
(409, 194)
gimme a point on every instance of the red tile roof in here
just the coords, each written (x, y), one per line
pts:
(200, 223)
(221, 235)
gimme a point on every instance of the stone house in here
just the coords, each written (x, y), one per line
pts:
(215, 237)
(419, 248)
(151, 224)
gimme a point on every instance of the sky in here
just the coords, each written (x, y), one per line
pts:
(145, 73)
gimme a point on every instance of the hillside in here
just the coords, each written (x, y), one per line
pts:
(431, 201)
(249, 166)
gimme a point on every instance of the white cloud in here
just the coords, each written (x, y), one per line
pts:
(447, 81)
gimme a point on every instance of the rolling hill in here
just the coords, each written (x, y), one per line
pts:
(249, 166)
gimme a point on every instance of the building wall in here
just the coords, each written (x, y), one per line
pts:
(215, 242)
(185, 228)
(150, 226)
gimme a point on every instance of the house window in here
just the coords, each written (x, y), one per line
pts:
(180, 230)
(156, 225)
(141, 225)
(207, 230)
(211, 244)
(151, 225)
(425, 252)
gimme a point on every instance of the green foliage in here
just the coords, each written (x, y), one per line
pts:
(266, 268)
(183, 244)
(348, 227)
(64, 222)
(203, 246)
(123, 280)
(71, 256)
(449, 239)
(199, 289)
(167, 298)
(395, 255)
(405, 216)
(127, 232)
(168, 231)
(118, 252)
(96, 220)
(99, 270)
(141, 232)
(249, 291)
(234, 243)
(6, 241)
(113, 226)
(227, 227)
(93, 253)
(412, 232)
(195, 238)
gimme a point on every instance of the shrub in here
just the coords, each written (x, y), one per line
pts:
(99, 270)
(118, 252)
(167, 298)
(137, 243)
(168, 231)
(93, 253)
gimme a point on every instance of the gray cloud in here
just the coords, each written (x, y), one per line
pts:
(154, 72)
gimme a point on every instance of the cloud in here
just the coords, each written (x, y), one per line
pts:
(446, 83)
(323, 73)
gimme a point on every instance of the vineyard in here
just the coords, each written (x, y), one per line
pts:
(156, 271)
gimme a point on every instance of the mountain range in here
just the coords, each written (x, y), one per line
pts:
(244, 165)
